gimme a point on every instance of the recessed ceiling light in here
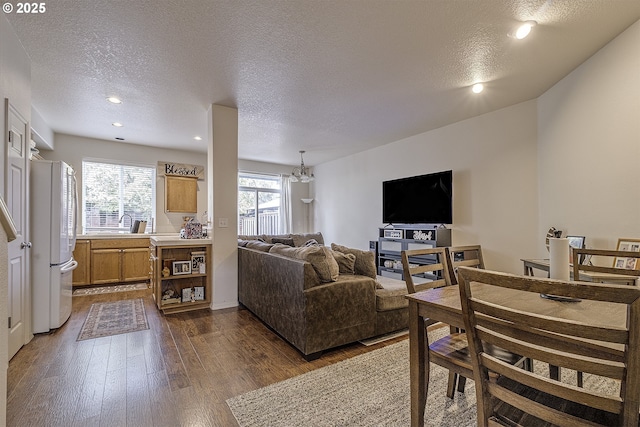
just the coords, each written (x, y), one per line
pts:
(114, 100)
(523, 30)
(477, 88)
(116, 124)
(197, 138)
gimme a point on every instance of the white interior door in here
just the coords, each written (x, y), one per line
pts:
(17, 195)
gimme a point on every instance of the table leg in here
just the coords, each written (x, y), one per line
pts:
(418, 365)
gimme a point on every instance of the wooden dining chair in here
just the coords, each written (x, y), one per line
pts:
(610, 262)
(469, 256)
(600, 336)
(430, 268)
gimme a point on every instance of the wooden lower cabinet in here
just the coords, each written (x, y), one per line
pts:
(111, 261)
(82, 254)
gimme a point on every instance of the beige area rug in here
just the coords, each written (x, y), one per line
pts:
(113, 318)
(386, 337)
(110, 289)
(368, 390)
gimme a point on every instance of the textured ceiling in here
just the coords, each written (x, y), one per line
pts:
(331, 77)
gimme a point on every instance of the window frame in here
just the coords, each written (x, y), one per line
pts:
(119, 163)
(257, 191)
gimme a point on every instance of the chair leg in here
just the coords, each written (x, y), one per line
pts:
(451, 385)
(461, 383)
(579, 379)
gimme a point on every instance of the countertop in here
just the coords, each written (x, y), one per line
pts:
(174, 240)
(102, 236)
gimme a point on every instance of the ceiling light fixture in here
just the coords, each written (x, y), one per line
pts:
(197, 138)
(116, 124)
(301, 174)
(114, 100)
(477, 88)
(523, 30)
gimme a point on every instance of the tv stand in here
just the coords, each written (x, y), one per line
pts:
(392, 241)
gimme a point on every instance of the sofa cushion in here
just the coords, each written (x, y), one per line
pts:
(284, 240)
(391, 296)
(319, 257)
(257, 244)
(346, 262)
(365, 260)
(299, 239)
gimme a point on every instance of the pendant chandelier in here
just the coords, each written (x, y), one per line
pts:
(301, 174)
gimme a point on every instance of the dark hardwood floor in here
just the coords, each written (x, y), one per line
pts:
(178, 373)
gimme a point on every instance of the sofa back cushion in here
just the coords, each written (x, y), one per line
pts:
(284, 240)
(259, 245)
(302, 238)
(319, 257)
(365, 260)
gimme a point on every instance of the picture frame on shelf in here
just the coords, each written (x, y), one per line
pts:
(629, 245)
(198, 293)
(197, 258)
(187, 295)
(181, 267)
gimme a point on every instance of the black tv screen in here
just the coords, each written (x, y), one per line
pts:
(424, 199)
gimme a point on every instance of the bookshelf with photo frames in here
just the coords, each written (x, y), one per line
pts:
(180, 274)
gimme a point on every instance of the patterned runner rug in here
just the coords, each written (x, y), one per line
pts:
(113, 318)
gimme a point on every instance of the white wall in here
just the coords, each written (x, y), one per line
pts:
(73, 149)
(589, 146)
(494, 163)
(15, 84)
(569, 159)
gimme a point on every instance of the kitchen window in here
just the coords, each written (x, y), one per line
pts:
(116, 195)
(258, 203)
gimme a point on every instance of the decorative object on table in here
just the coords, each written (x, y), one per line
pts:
(181, 267)
(197, 258)
(559, 265)
(576, 242)
(630, 245)
(187, 295)
(552, 233)
(192, 230)
(198, 293)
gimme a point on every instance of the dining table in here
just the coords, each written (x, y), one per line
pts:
(443, 305)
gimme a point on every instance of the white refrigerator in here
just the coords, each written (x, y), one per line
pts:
(54, 217)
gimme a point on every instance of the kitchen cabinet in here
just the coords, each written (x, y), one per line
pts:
(111, 260)
(181, 194)
(82, 254)
(175, 289)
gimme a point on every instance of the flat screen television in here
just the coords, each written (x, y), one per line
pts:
(423, 199)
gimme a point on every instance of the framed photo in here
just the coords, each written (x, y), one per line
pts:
(629, 245)
(181, 267)
(576, 242)
(187, 295)
(197, 258)
(198, 293)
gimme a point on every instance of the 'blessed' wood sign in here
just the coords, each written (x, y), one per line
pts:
(180, 169)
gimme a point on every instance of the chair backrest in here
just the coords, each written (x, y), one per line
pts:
(624, 262)
(468, 256)
(426, 268)
(599, 335)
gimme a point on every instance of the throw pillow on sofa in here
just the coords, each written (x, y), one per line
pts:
(365, 260)
(301, 239)
(346, 262)
(319, 257)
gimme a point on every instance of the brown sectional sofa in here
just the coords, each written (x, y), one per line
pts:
(286, 293)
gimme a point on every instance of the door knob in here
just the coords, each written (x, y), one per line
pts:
(25, 245)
